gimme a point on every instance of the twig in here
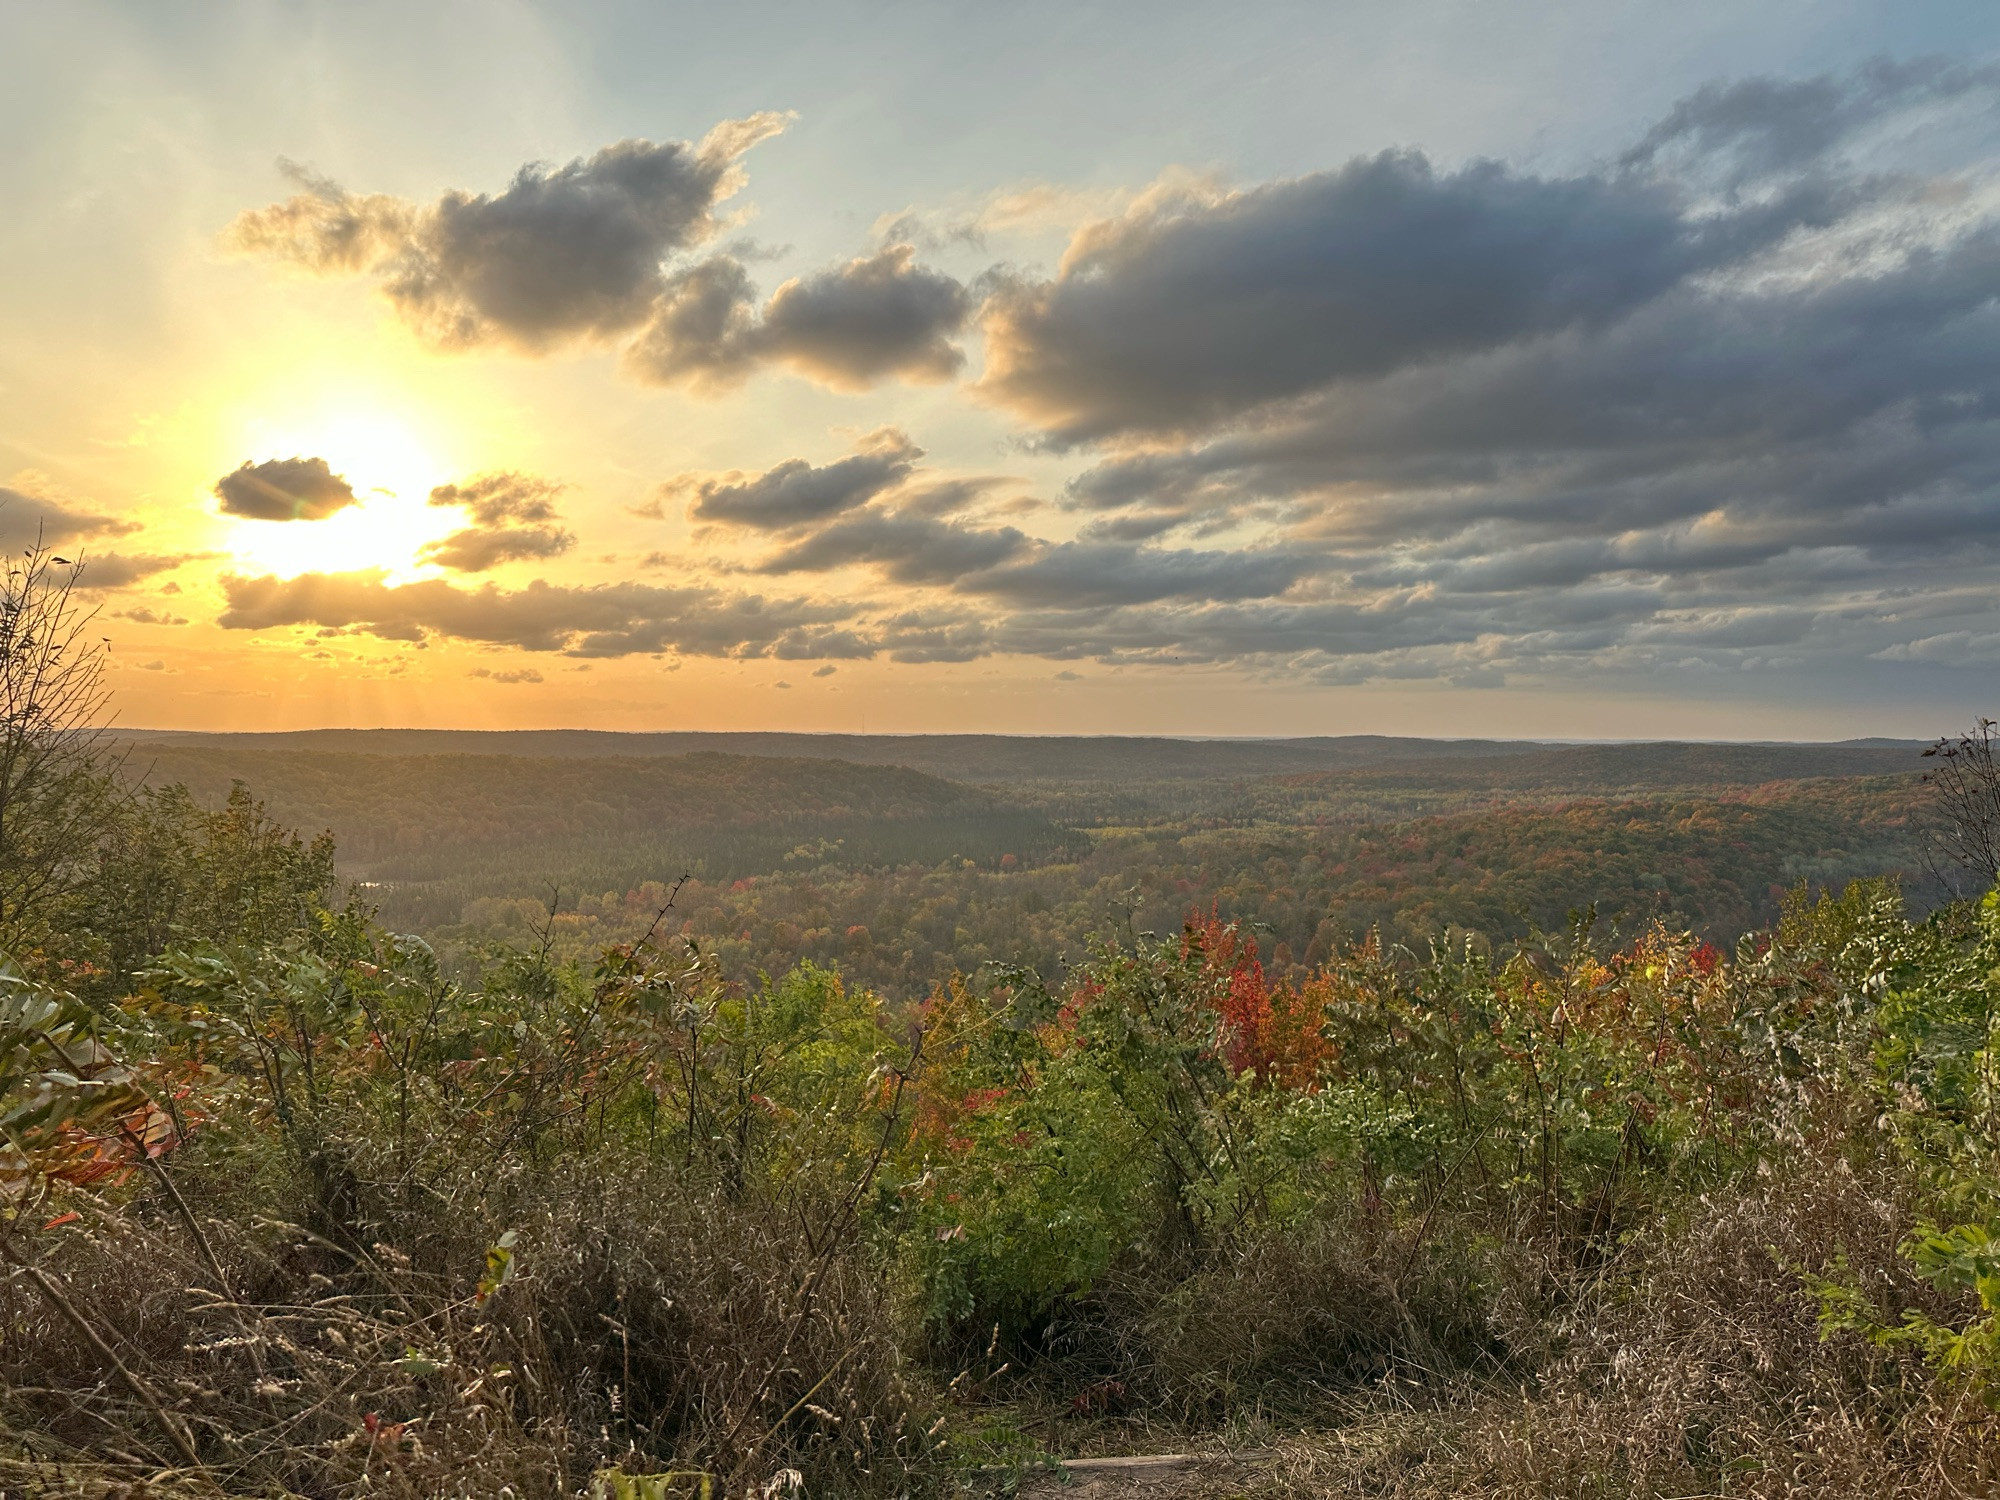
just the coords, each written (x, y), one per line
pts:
(194, 1229)
(823, 1262)
(59, 1300)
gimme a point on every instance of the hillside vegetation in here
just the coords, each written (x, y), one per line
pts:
(1717, 866)
(965, 757)
(293, 1213)
(1363, 1146)
(430, 833)
(904, 878)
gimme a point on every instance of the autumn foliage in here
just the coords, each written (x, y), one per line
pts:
(298, 1206)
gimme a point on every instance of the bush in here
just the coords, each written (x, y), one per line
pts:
(430, 1241)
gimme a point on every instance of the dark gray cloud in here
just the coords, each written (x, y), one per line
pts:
(795, 492)
(916, 547)
(512, 516)
(849, 327)
(1730, 403)
(910, 549)
(1782, 418)
(594, 251)
(284, 489)
(702, 328)
(867, 320)
(1193, 309)
(28, 517)
(563, 253)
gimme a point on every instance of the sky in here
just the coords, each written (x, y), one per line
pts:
(1457, 367)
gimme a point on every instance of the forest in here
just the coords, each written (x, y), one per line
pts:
(407, 1119)
(904, 877)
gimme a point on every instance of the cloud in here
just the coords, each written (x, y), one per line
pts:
(29, 514)
(476, 549)
(1731, 401)
(1195, 306)
(702, 326)
(848, 327)
(144, 616)
(1712, 428)
(910, 549)
(1005, 564)
(511, 515)
(617, 619)
(115, 570)
(944, 497)
(1084, 574)
(1956, 648)
(795, 492)
(323, 228)
(561, 254)
(1024, 208)
(524, 674)
(869, 319)
(1756, 127)
(595, 252)
(284, 489)
(491, 499)
(865, 511)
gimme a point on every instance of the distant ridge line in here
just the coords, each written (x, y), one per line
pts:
(1048, 758)
(1501, 746)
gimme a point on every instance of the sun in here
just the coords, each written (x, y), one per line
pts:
(391, 472)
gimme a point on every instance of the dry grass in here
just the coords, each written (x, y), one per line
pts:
(645, 1327)
(1706, 1374)
(1286, 1326)
(1697, 1369)
(656, 1329)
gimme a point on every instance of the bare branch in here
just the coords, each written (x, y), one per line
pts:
(1962, 821)
(56, 789)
